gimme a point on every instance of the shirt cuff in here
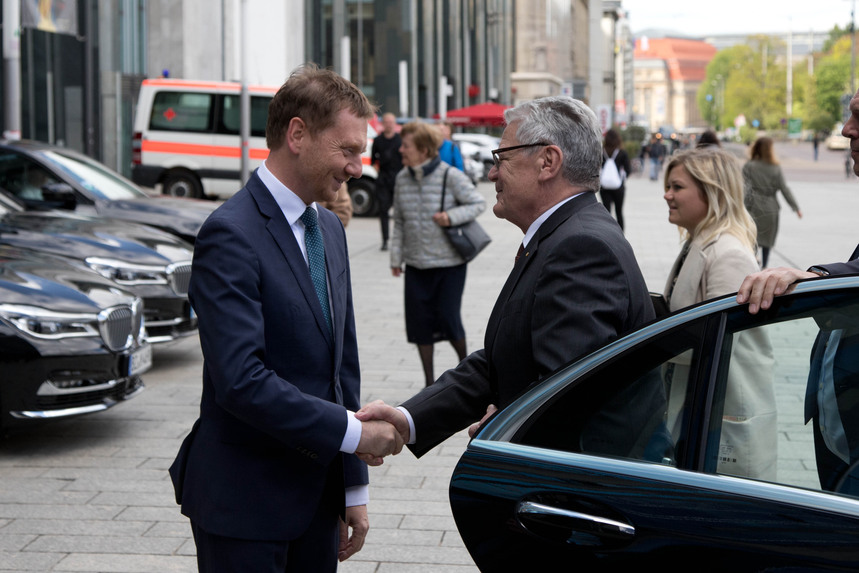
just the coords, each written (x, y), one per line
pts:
(412, 438)
(357, 495)
(349, 445)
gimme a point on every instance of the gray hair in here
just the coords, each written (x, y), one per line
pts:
(569, 124)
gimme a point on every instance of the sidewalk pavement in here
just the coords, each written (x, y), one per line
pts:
(92, 494)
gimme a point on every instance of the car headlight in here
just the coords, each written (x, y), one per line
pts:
(48, 324)
(125, 273)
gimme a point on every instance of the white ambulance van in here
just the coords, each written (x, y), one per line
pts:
(186, 139)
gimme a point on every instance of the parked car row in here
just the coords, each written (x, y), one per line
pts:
(93, 272)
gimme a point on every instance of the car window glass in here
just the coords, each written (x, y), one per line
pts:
(786, 402)
(231, 115)
(632, 406)
(181, 111)
(97, 179)
(23, 177)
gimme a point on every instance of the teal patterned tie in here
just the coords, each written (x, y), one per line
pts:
(316, 260)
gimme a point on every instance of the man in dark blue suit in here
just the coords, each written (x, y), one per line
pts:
(269, 475)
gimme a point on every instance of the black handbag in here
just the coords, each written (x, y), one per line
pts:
(467, 239)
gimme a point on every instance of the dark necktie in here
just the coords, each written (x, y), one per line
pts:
(316, 260)
(519, 253)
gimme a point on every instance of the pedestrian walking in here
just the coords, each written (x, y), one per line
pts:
(615, 167)
(656, 152)
(386, 157)
(764, 180)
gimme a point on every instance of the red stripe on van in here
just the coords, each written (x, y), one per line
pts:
(149, 146)
(203, 85)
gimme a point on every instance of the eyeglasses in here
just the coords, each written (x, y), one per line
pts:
(497, 152)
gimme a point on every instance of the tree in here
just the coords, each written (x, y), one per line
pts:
(832, 78)
(747, 79)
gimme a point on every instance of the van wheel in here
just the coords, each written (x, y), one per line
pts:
(182, 184)
(363, 194)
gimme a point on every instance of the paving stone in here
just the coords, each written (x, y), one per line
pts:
(78, 528)
(112, 563)
(131, 544)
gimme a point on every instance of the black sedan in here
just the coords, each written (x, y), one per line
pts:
(642, 455)
(45, 176)
(71, 343)
(151, 264)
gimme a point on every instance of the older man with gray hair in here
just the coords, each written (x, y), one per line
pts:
(575, 283)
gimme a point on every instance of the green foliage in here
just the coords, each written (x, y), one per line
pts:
(748, 134)
(836, 33)
(632, 137)
(751, 80)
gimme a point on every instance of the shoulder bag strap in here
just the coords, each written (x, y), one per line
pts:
(443, 188)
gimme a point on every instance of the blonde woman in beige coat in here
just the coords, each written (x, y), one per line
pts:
(704, 193)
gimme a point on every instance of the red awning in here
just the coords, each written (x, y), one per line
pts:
(480, 115)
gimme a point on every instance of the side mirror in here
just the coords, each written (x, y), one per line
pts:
(59, 196)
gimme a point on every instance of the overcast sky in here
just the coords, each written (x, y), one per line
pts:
(698, 18)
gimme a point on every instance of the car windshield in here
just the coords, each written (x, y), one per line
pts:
(93, 177)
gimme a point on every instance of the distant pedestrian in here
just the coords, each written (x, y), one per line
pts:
(613, 190)
(656, 151)
(764, 179)
(449, 151)
(815, 143)
(341, 205)
(386, 157)
(708, 139)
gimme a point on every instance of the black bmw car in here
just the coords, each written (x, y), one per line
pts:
(71, 343)
(43, 176)
(147, 262)
(640, 456)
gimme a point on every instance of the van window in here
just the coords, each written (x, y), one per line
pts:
(181, 111)
(231, 115)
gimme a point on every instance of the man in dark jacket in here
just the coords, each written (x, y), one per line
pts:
(574, 287)
(388, 161)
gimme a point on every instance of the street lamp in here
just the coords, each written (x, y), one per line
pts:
(719, 103)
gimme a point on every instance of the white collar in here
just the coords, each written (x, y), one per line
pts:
(535, 226)
(291, 204)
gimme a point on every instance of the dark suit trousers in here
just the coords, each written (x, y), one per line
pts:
(314, 552)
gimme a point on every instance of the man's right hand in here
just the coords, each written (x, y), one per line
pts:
(760, 288)
(378, 410)
(378, 439)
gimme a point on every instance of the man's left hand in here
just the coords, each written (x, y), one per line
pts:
(356, 519)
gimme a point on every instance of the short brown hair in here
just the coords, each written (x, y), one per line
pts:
(425, 137)
(315, 95)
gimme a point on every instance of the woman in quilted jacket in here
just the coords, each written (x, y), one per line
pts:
(434, 271)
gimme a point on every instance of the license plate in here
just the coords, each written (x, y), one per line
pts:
(140, 360)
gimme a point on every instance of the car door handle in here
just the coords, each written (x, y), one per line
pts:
(539, 512)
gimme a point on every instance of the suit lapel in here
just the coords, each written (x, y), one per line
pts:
(279, 229)
(530, 254)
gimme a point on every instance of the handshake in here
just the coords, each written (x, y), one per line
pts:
(384, 431)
